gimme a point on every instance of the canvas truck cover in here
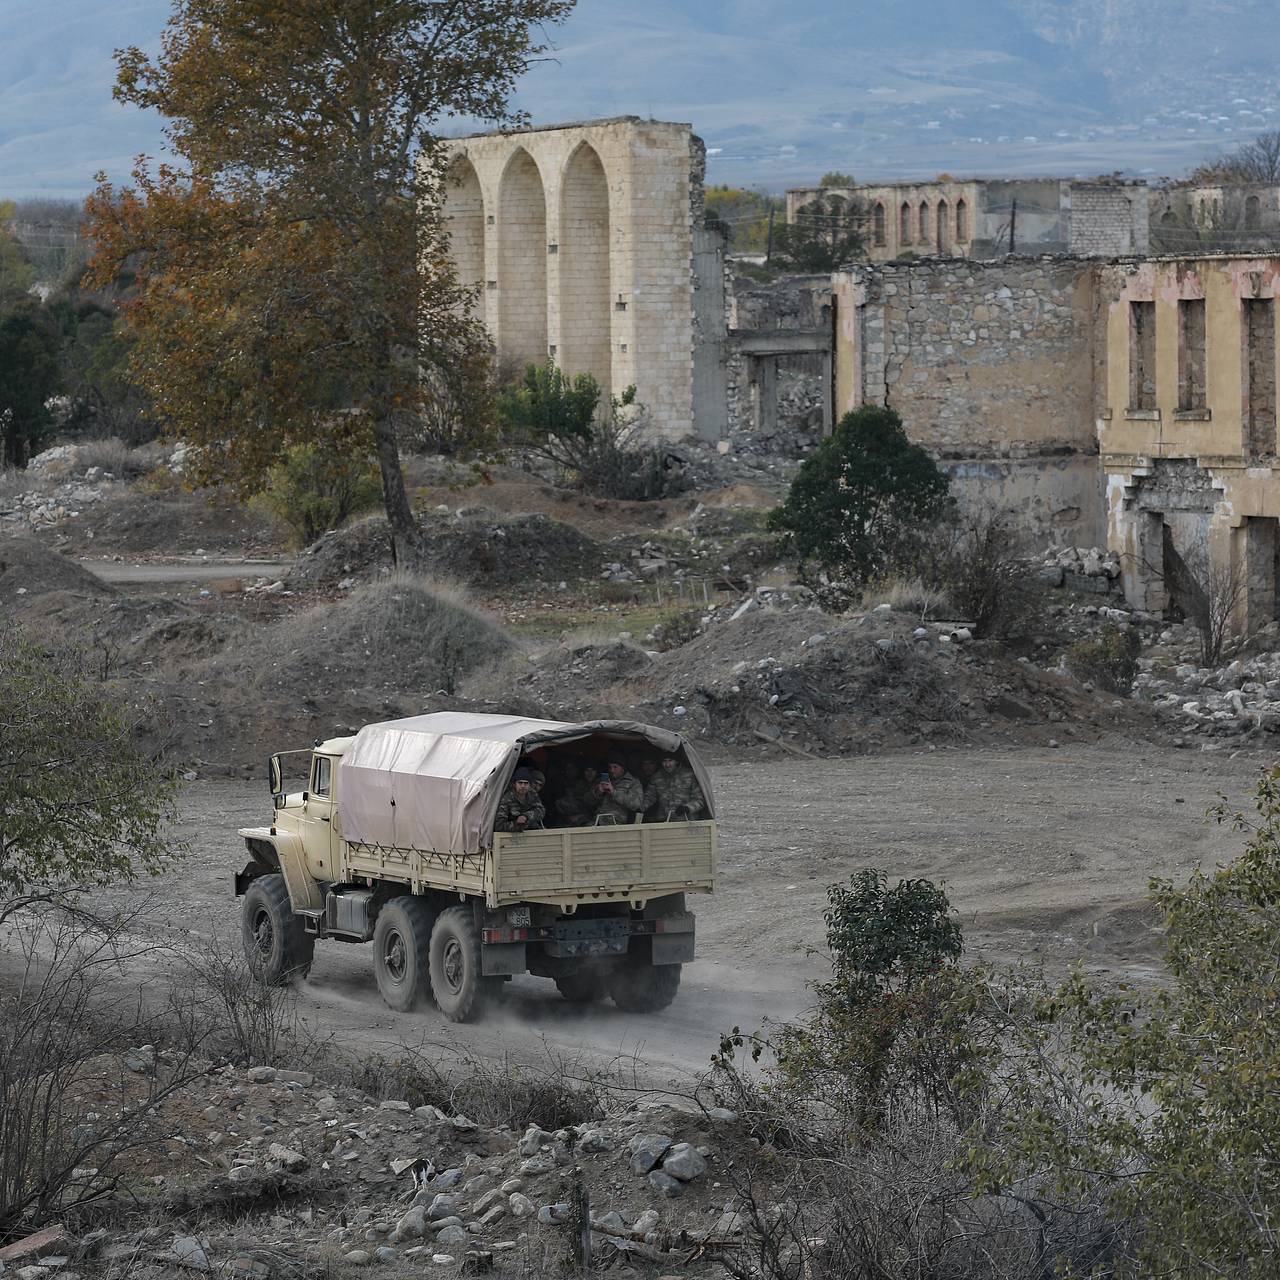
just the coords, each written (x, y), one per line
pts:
(434, 781)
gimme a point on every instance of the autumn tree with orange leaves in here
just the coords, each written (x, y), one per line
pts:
(293, 277)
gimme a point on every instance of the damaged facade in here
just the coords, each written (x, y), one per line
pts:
(980, 218)
(1129, 401)
(991, 367)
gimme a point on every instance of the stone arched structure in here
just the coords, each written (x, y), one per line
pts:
(922, 231)
(585, 279)
(464, 222)
(589, 259)
(943, 219)
(522, 261)
(904, 224)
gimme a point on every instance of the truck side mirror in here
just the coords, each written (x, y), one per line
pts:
(275, 776)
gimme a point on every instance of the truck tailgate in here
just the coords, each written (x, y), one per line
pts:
(564, 865)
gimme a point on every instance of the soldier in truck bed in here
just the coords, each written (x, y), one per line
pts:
(520, 809)
(619, 797)
(673, 792)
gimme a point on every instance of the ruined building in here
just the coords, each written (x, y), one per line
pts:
(586, 243)
(1230, 217)
(980, 218)
(1132, 402)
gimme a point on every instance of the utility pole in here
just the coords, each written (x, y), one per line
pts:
(1013, 227)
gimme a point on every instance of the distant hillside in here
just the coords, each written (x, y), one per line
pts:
(780, 91)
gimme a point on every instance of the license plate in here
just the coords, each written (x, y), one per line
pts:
(519, 917)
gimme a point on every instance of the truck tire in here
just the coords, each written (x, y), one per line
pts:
(276, 946)
(401, 941)
(581, 986)
(642, 987)
(456, 981)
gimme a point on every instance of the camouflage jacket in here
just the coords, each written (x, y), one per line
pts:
(675, 790)
(578, 801)
(510, 807)
(626, 801)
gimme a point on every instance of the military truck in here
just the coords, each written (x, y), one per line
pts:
(392, 842)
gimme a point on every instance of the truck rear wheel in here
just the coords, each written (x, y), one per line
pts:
(456, 981)
(276, 946)
(581, 986)
(642, 987)
(401, 943)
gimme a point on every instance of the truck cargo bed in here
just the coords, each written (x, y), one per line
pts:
(559, 866)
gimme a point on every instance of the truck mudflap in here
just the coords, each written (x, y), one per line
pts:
(669, 939)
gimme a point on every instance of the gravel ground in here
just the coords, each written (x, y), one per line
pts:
(1046, 854)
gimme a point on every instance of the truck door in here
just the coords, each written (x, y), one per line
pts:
(317, 825)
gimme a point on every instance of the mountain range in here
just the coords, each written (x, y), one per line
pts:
(781, 90)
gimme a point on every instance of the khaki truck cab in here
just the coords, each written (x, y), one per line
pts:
(392, 841)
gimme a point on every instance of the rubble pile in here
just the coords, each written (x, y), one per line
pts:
(1093, 569)
(1236, 700)
(42, 506)
(320, 1175)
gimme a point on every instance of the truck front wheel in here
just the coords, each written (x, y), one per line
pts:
(641, 987)
(456, 981)
(276, 946)
(401, 939)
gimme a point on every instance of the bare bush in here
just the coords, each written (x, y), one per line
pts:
(555, 1090)
(987, 577)
(67, 1034)
(223, 1009)
(113, 455)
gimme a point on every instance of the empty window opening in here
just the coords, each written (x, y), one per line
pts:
(923, 229)
(944, 226)
(1191, 385)
(878, 224)
(1252, 213)
(904, 224)
(1260, 381)
(1142, 355)
(962, 222)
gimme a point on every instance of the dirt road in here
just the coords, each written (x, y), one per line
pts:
(183, 570)
(1045, 853)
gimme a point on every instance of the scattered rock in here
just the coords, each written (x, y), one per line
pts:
(647, 1149)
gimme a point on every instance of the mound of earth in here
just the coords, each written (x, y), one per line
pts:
(173, 522)
(472, 547)
(395, 636)
(28, 568)
(568, 683)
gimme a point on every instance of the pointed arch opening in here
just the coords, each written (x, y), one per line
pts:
(922, 230)
(586, 288)
(464, 223)
(962, 221)
(878, 224)
(944, 226)
(522, 263)
(904, 224)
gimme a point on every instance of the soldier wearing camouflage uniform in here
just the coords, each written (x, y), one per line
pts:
(520, 809)
(621, 797)
(674, 789)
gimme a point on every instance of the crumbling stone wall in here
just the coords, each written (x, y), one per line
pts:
(1107, 219)
(990, 365)
(582, 238)
(793, 420)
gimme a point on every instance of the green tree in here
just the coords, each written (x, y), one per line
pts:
(1166, 1104)
(294, 279)
(312, 491)
(743, 216)
(863, 498)
(29, 374)
(828, 232)
(81, 804)
(548, 402)
(834, 178)
(17, 275)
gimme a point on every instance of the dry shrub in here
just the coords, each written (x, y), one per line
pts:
(906, 595)
(67, 1032)
(220, 1006)
(113, 455)
(554, 1091)
(987, 577)
(1108, 659)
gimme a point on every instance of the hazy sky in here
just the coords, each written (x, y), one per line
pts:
(780, 89)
